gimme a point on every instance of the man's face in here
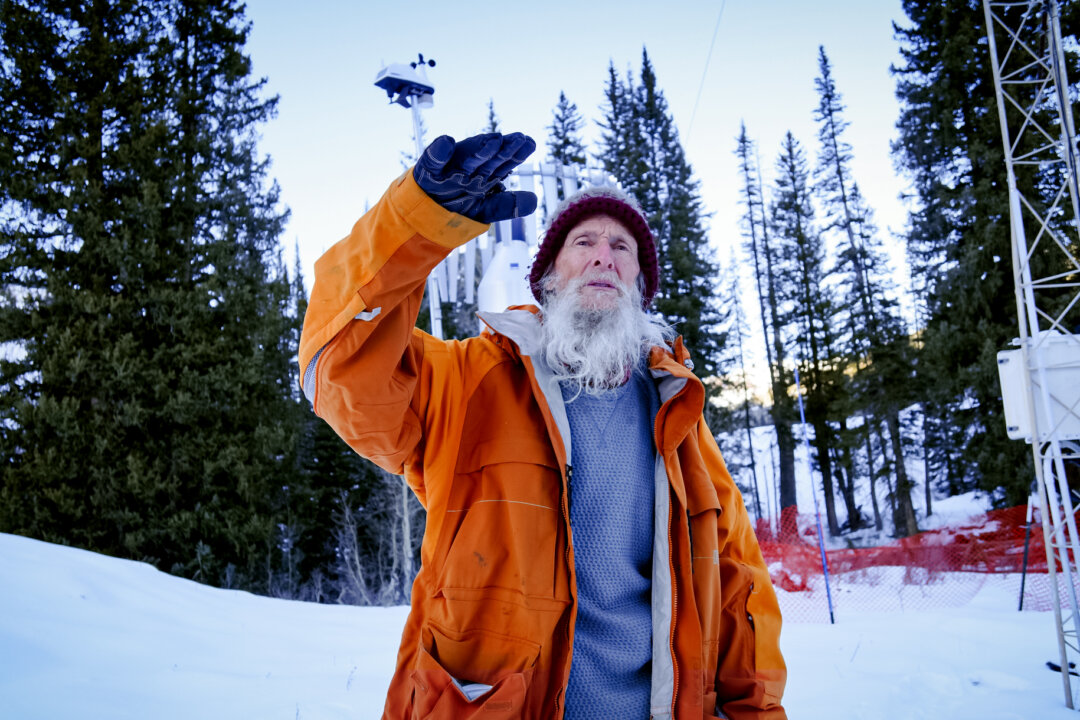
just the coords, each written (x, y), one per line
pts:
(604, 254)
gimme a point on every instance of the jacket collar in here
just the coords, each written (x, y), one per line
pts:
(520, 324)
(668, 365)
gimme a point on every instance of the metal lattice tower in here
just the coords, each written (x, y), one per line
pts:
(1037, 130)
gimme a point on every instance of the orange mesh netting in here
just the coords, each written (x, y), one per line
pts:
(945, 567)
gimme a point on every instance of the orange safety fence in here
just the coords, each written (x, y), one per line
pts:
(944, 567)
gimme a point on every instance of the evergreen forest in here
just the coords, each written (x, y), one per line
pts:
(149, 321)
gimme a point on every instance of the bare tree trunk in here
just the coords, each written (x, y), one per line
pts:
(821, 444)
(893, 507)
(407, 571)
(878, 523)
(789, 508)
(352, 583)
(388, 593)
(906, 524)
(847, 489)
(926, 467)
(753, 460)
(772, 496)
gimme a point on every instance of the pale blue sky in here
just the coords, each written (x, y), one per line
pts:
(336, 143)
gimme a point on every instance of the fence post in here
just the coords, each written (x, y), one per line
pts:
(817, 510)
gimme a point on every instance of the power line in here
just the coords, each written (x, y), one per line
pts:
(705, 70)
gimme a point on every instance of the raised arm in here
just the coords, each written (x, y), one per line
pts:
(360, 353)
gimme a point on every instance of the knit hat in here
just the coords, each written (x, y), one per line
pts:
(597, 200)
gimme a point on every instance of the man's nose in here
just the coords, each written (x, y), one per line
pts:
(603, 256)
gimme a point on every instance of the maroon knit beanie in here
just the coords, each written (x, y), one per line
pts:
(599, 200)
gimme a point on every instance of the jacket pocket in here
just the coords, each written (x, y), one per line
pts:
(711, 711)
(502, 525)
(476, 656)
(736, 675)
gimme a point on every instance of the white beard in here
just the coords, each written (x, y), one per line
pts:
(595, 349)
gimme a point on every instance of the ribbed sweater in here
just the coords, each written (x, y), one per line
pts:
(611, 518)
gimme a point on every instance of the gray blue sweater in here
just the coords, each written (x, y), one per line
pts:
(611, 517)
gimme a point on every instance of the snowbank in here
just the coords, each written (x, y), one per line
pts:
(87, 636)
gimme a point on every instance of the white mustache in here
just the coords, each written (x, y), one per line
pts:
(605, 278)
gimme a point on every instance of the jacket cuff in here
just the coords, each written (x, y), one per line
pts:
(428, 218)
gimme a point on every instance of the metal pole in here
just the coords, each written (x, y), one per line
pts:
(1051, 571)
(434, 306)
(1023, 572)
(813, 487)
(1069, 155)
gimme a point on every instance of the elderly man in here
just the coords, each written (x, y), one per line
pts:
(586, 554)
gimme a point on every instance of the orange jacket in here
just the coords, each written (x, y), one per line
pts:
(479, 430)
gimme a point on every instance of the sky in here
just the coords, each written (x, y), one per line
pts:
(337, 142)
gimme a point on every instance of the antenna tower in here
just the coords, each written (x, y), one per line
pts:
(1038, 136)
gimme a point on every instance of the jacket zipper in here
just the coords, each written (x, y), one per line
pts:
(671, 566)
(542, 401)
(566, 558)
(674, 615)
(569, 488)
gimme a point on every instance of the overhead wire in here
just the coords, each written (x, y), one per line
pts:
(705, 70)
(697, 100)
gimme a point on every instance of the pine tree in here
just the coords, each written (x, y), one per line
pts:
(640, 146)
(873, 331)
(620, 139)
(806, 301)
(738, 383)
(758, 246)
(150, 414)
(950, 147)
(492, 119)
(564, 138)
(564, 134)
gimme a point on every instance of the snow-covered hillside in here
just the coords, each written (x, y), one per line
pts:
(90, 637)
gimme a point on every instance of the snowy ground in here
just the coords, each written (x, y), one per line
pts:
(86, 636)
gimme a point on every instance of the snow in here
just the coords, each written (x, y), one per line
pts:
(88, 636)
(985, 661)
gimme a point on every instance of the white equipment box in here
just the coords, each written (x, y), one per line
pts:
(1059, 354)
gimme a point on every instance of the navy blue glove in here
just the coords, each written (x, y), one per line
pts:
(466, 177)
